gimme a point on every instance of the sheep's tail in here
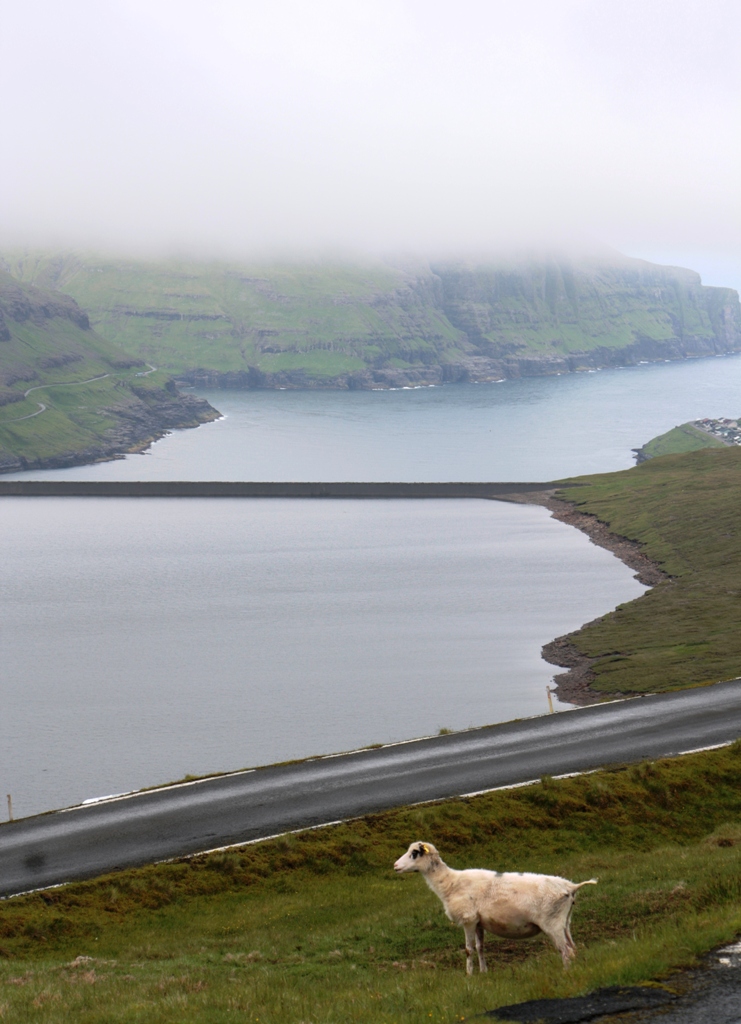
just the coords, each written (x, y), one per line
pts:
(589, 881)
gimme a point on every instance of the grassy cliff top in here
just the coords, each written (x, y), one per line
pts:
(329, 322)
(687, 437)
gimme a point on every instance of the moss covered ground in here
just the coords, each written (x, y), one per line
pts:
(686, 631)
(316, 928)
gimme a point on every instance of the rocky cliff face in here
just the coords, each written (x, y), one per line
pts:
(535, 320)
(379, 325)
(556, 317)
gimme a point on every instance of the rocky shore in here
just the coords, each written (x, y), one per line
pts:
(574, 686)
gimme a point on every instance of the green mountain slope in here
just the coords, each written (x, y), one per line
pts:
(379, 325)
(67, 395)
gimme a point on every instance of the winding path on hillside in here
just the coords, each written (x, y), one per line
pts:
(67, 384)
(192, 817)
(59, 384)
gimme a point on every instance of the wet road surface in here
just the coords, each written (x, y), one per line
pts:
(82, 842)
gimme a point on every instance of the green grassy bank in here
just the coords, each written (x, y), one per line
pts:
(316, 928)
(686, 631)
(678, 440)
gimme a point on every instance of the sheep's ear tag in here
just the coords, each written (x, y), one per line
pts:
(424, 848)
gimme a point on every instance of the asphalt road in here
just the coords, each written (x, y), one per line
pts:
(82, 842)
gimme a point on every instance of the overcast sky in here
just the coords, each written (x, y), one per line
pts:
(229, 127)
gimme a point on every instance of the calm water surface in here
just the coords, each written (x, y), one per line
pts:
(541, 428)
(143, 640)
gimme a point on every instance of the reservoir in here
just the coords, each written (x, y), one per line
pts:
(143, 640)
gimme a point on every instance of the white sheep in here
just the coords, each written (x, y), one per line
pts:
(508, 904)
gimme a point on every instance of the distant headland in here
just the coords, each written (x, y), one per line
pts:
(692, 437)
(380, 324)
(114, 337)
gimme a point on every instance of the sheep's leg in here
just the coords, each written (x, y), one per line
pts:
(560, 940)
(567, 955)
(480, 947)
(471, 942)
(557, 930)
(569, 939)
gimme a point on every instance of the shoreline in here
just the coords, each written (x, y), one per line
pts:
(571, 687)
(574, 685)
(181, 412)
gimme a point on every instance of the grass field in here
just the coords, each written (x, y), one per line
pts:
(684, 510)
(316, 928)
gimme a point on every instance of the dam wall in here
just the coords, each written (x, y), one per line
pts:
(260, 489)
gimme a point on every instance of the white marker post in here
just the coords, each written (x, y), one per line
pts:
(550, 700)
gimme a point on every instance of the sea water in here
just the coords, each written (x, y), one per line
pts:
(537, 428)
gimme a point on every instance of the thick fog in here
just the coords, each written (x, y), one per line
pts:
(235, 127)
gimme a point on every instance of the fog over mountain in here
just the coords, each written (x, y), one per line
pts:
(233, 128)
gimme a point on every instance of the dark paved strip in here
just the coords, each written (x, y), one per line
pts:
(86, 841)
(615, 999)
(710, 994)
(258, 489)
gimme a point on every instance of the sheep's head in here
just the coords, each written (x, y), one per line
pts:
(419, 857)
